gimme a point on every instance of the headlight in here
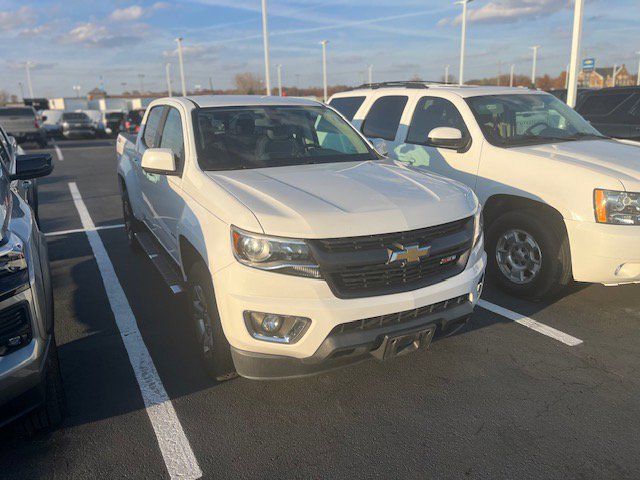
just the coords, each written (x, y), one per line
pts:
(478, 226)
(65, 124)
(14, 274)
(617, 208)
(282, 255)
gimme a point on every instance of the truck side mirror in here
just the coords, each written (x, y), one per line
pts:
(32, 166)
(446, 137)
(159, 160)
(381, 147)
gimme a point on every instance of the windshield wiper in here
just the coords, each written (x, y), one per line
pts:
(584, 136)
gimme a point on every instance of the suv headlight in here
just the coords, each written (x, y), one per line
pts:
(14, 273)
(617, 208)
(282, 255)
(478, 226)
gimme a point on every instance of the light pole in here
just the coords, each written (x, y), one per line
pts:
(499, 72)
(513, 68)
(535, 49)
(566, 77)
(124, 87)
(184, 85)
(279, 80)
(27, 67)
(446, 74)
(572, 88)
(77, 88)
(463, 39)
(638, 79)
(324, 68)
(141, 77)
(370, 68)
(265, 41)
(21, 90)
(167, 70)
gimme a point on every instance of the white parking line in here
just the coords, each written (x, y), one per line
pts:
(58, 152)
(174, 445)
(82, 230)
(531, 323)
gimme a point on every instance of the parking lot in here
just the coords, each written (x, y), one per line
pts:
(502, 399)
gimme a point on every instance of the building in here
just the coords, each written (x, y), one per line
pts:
(603, 78)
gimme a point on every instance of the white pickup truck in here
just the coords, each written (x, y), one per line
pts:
(301, 248)
(561, 201)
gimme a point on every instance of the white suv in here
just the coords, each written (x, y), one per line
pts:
(560, 200)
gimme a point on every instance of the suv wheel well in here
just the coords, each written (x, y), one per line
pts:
(499, 204)
(189, 256)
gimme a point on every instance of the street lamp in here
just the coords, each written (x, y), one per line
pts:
(77, 88)
(513, 68)
(21, 90)
(324, 68)
(141, 77)
(279, 67)
(27, 67)
(463, 40)
(572, 88)
(167, 70)
(184, 85)
(535, 49)
(265, 41)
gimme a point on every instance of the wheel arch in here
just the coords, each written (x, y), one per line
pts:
(189, 255)
(498, 204)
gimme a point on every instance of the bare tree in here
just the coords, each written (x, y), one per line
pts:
(4, 97)
(248, 83)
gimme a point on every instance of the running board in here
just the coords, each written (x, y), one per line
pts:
(164, 264)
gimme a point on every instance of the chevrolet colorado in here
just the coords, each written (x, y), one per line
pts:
(300, 247)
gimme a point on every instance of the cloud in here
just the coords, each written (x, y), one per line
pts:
(34, 31)
(91, 34)
(19, 18)
(194, 51)
(507, 11)
(135, 12)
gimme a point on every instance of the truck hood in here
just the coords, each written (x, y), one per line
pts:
(346, 199)
(609, 157)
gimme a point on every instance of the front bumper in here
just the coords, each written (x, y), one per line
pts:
(607, 254)
(79, 132)
(240, 288)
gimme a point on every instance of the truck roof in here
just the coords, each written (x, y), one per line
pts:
(204, 101)
(461, 90)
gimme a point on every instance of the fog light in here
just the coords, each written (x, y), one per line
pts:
(271, 327)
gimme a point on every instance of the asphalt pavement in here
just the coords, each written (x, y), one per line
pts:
(501, 400)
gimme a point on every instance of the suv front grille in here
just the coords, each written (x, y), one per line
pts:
(398, 318)
(15, 328)
(359, 266)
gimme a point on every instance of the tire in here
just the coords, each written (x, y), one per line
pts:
(51, 414)
(213, 348)
(536, 244)
(131, 224)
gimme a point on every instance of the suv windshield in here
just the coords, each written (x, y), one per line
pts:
(274, 136)
(16, 112)
(529, 119)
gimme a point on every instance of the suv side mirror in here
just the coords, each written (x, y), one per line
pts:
(447, 137)
(381, 147)
(159, 160)
(32, 166)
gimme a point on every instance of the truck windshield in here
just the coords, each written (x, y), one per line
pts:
(529, 119)
(75, 116)
(274, 136)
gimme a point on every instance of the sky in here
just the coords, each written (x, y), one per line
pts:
(90, 43)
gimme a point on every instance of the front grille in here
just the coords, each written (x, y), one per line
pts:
(15, 328)
(398, 318)
(359, 266)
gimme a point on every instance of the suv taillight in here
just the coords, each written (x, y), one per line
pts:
(36, 123)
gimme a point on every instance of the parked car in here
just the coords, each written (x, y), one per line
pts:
(52, 122)
(97, 121)
(131, 121)
(561, 201)
(320, 251)
(77, 124)
(31, 392)
(613, 111)
(112, 121)
(22, 123)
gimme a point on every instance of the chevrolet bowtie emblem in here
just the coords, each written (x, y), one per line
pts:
(410, 254)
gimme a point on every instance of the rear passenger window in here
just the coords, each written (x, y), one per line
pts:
(151, 128)
(347, 106)
(384, 117)
(433, 112)
(172, 137)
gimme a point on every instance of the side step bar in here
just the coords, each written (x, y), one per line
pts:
(164, 264)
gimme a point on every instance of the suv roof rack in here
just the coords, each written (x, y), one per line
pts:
(401, 83)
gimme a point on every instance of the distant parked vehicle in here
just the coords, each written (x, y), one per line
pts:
(96, 118)
(112, 121)
(132, 120)
(22, 123)
(51, 122)
(615, 112)
(77, 124)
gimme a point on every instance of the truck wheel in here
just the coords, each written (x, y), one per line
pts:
(529, 254)
(214, 350)
(51, 414)
(131, 224)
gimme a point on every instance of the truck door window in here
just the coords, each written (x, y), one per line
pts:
(434, 112)
(151, 128)
(172, 137)
(347, 106)
(383, 118)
